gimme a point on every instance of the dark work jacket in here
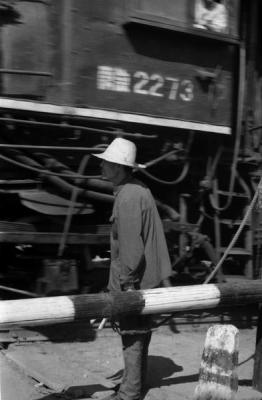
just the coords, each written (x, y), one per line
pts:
(139, 253)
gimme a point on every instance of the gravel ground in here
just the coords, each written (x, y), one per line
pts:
(85, 365)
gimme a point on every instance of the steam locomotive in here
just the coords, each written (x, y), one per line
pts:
(182, 79)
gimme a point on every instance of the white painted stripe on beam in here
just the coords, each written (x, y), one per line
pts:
(13, 311)
(112, 115)
(181, 298)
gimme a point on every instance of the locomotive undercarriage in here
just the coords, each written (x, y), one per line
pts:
(202, 192)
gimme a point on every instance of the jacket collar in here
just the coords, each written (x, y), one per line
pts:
(117, 189)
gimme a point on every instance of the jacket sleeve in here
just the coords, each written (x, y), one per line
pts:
(131, 246)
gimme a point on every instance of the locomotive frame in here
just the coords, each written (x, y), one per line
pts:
(77, 73)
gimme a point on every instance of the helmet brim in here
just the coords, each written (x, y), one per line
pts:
(103, 156)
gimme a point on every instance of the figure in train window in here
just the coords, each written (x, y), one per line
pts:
(211, 15)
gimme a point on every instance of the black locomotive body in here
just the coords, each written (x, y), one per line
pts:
(185, 88)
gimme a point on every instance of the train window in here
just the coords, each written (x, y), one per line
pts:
(218, 17)
(211, 15)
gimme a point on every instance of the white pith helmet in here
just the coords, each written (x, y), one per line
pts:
(121, 151)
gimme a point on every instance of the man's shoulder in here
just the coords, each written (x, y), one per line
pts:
(136, 186)
(134, 189)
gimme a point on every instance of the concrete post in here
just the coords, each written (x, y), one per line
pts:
(218, 377)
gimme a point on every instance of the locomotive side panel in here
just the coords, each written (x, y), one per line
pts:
(112, 56)
(163, 77)
(133, 68)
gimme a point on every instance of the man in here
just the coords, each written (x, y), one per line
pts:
(212, 15)
(139, 257)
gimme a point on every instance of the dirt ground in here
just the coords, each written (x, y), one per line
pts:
(76, 362)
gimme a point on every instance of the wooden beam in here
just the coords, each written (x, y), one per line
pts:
(42, 311)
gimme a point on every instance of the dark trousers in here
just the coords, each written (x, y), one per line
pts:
(136, 336)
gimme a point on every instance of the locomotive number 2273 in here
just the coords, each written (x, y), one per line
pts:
(140, 82)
